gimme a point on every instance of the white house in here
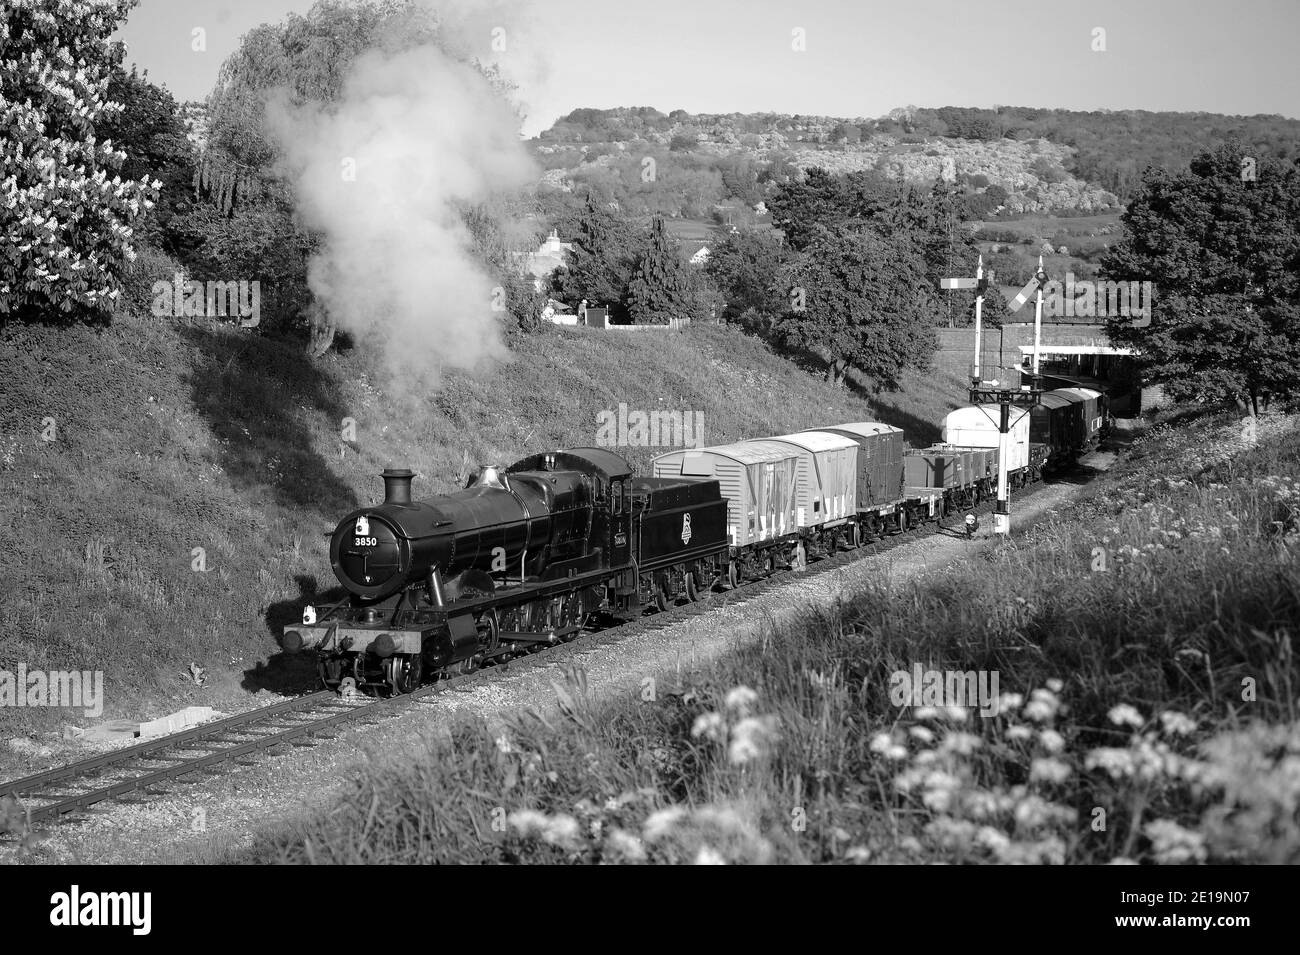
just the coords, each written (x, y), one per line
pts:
(548, 257)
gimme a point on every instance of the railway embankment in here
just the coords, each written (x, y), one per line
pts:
(167, 483)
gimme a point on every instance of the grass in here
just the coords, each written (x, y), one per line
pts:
(177, 513)
(1147, 710)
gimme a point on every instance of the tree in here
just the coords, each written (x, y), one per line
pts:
(746, 266)
(68, 219)
(860, 300)
(740, 178)
(150, 131)
(1221, 243)
(599, 267)
(847, 133)
(684, 141)
(661, 286)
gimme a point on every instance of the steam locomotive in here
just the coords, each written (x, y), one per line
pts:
(521, 557)
(526, 556)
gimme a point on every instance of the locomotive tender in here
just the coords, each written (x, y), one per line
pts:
(526, 556)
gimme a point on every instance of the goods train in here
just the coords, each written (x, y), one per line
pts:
(525, 556)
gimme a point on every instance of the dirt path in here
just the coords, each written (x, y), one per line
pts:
(221, 813)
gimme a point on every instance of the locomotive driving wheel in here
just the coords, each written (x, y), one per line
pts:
(692, 590)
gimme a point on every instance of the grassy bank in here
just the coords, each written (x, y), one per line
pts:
(1146, 709)
(167, 483)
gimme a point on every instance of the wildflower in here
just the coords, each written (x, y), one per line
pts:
(709, 856)
(1176, 724)
(922, 733)
(710, 725)
(1051, 740)
(1019, 733)
(858, 855)
(1118, 763)
(1040, 711)
(660, 823)
(529, 822)
(559, 830)
(961, 743)
(750, 738)
(1048, 770)
(1125, 715)
(1009, 702)
(995, 840)
(881, 742)
(503, 744)
(626, 845)
(1172, 844)
(1055, 685)
(741, 699)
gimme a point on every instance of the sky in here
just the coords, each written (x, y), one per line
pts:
(858, 57)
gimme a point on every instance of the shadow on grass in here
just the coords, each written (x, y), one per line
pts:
(256, 392)
(284, 672)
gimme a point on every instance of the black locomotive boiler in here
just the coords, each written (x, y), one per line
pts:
(521, 557)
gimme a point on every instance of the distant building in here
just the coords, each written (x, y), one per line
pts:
(548, 257)
(558, 313)
(701, 256)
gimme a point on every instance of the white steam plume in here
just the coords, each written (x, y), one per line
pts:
(425, 134)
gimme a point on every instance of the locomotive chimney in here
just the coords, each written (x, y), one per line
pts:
(397, 485)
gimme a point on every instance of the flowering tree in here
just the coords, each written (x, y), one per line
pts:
(67, 220)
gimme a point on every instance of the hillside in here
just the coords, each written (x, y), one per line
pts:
(174, 436)
(1009, 161)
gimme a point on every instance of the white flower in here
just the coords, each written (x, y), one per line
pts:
(710, 725)
(1172, 844)
(1125, 715)
(709, 856)
(1048, 770)
(1051, 740)
(1177, 724)
(751, 738)
(625, 844)
(741, 699)
(660, 823)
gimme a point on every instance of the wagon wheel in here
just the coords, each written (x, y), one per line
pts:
(661, 594)
(855, 535)
(733, 575)
(800, 561)
(692, 590)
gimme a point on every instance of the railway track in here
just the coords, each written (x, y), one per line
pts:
(151, 768)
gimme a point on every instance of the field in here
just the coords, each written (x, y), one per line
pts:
(1146, 712)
